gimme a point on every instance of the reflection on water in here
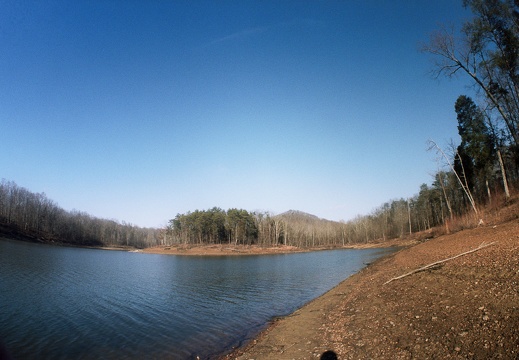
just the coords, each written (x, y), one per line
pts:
(64, 303)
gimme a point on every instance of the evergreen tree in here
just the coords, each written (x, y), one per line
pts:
(477, 152)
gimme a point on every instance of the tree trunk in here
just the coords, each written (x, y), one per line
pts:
(440, 178)
(488, 192)
(503, 173)
(409, 217)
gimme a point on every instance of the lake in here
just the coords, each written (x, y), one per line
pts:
(63, 302)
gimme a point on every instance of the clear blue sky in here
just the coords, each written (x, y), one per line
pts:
(139, 110)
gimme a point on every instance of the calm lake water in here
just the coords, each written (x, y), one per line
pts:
(63, 303)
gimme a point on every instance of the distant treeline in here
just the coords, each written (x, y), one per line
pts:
(296, 228)
(34, 216)
(238, 226)
(443, 201)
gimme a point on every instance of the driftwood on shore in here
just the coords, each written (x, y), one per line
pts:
(482, 246)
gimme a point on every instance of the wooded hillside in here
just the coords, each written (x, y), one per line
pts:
(33, 216)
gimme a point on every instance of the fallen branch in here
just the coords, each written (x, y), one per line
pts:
(440, 262)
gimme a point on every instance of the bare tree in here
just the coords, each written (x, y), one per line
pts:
(484, 55)
(433, 145)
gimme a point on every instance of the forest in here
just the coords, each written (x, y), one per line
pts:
(481, 171)
(33, 216)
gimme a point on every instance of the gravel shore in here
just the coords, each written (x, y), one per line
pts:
(464, 308)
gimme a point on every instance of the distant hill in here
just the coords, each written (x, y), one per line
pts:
(296, 216)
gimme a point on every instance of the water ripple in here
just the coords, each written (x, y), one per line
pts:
(64, 303)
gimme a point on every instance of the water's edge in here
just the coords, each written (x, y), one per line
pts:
(247, 341)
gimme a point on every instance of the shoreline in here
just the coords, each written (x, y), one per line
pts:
(280, 328)
(245, 250)
(310, 313)
(205, 249)
(463, 308)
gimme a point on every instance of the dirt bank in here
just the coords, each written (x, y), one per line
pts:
(465, 308)
(219, 250)
(225, 250)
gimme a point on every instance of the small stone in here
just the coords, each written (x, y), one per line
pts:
(457, 349)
